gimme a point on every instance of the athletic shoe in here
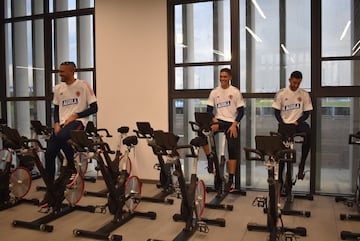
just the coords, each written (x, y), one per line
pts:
(44, 203)
(72, 175)
(301, 174)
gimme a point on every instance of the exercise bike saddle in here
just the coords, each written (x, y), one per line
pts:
(123, 129)
(130, 141)
(198, 141)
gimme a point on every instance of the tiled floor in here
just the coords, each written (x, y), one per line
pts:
(323, 224)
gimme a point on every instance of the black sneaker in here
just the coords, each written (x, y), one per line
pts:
(301, 174)
(71, 175)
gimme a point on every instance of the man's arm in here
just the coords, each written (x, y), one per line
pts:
(93, 108)
(304, 117)
(278, 116)
(240, 114)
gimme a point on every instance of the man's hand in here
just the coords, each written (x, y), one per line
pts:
(214, 127)
(57, 128)
(233, 130)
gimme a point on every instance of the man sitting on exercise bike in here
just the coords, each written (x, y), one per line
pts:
(292, 105)
(229, 105)
(74, 101)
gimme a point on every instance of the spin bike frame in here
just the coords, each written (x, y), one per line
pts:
(202, 126)
(287, 133)
(117, 182)
(354, 139)
(55, 191)
(145, 131)
(193, 195)
(270, 151)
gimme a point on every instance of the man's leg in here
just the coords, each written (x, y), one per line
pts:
(68, 150)
(233, 150)
(305, 149)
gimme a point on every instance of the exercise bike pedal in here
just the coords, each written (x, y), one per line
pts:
(288, 236)
(202, 227)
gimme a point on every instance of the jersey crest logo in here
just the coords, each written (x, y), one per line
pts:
(230, 97)
(77, 93)
(299, 99)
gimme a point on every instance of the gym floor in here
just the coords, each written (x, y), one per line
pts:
(324, 223)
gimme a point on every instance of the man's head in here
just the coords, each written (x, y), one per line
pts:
(295, 80)
(225, 77)
(66, 72)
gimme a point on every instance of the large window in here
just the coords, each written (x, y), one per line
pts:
(263, 42)
(39, 35)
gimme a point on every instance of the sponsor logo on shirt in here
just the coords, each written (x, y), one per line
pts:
(223, 104)
(72, 101)
(292, 106)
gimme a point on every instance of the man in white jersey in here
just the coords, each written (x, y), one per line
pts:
(228, 103)
(74, 101)
(292, 105)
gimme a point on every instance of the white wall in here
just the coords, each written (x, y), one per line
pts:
(131, 66)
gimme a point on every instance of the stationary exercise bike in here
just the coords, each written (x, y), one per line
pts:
(123, 190)
(202, 126)
(145, 131)
(354, 201)
(269, 149)
(193, 195)
(43, 133)
(56, 191)
(15, 182)
(287, 134)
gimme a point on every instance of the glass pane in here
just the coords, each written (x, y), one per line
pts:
(340, 73)
(202, 32)
(7, 8)
(297, 48)
(21, 8)
(9, 60)
(65, 41)
(20, 113)
(38, 66)
(337, 161)
(86, 3)
(263, 32)
(202, 77)
(38, 6)
(20, 82)
(339, 35)
(86, 38)
(64, 5)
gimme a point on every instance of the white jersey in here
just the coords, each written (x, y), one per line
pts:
(73, 99)
(292, 104)
(226, 102)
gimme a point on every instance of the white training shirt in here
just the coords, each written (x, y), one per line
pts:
(226, 102)
(292, 104)
(73, 99)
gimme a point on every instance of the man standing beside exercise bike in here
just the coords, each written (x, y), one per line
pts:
(228, 103)
(74, 101)
(292, 105)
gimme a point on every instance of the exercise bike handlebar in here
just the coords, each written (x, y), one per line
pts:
(292, 137)
(286, 155)
(205, 129)
(354, 139)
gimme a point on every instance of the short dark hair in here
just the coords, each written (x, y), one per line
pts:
(296, 74)
(69, 63)
(227, 70)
